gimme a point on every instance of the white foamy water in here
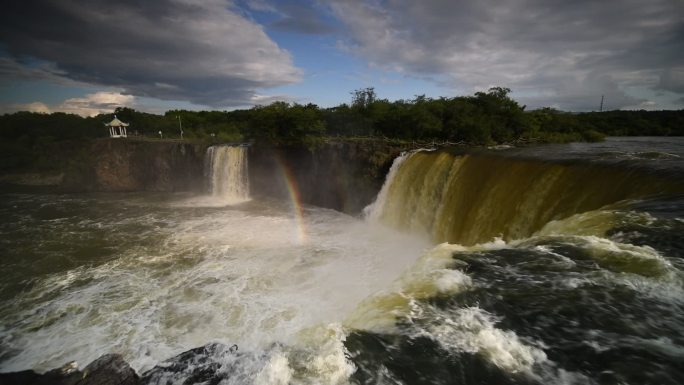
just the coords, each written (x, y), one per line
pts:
(234, 274)
(472, 330)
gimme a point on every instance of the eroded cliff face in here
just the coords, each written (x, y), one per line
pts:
(345, 176)
(117, 165)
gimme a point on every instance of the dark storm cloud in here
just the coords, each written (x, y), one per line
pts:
(551, 52)
(295, 16)
(11, 69)
(205, 52)
(673, 80)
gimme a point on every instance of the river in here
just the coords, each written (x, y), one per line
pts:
(557, 264)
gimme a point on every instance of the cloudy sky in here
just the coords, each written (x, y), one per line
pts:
(91, 56)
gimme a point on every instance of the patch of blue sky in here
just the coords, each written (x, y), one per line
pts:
(330, 73)
(22, 91)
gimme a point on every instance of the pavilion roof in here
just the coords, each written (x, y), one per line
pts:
(116, 123)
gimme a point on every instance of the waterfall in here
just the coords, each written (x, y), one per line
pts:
(226, 169)
(474, 198)
(374, 210)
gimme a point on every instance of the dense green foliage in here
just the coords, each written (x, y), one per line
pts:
(26, 136)
(484, 118)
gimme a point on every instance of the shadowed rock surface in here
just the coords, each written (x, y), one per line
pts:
(136, 165)
(208, 364)
(343, 176)
(110, 369)
(340, 175)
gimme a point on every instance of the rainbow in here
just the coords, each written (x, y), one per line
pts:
(295, 198)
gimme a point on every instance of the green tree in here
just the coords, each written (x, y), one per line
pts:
(282, 123)
(363, 97)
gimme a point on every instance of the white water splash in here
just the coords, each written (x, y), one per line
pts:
(277, 371)
(472, 330)
(228, 275)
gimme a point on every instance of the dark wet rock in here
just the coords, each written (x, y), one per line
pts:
(339, 175)
(209, 364)
(24, 377)
(68, 374)
(110, 369)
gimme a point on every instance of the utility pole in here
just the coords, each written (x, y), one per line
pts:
(180, 126)
(601, 108)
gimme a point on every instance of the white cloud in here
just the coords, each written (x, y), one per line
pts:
(31, 107)
(89, 105)
(647, 105)
(97, 103)
(571, 52)
(268, 99)
(205, 52)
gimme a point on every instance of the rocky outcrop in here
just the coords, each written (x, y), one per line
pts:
(340, 175)
(209, 364)
(136, 165)
(110, 369)
(113, 165)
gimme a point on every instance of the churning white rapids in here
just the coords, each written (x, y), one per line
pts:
(150, 276)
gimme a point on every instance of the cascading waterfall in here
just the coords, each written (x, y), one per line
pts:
(469, 199)
(557, 269)
(373, 210)
(226, 168)
(560, 271)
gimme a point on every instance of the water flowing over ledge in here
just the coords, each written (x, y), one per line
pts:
(472, 198)
(227, 168)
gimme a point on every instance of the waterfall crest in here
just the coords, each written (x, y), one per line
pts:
(226, 169)
(473, 198)
(373, 210)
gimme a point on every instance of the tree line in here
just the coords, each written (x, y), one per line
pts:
(485, 118)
